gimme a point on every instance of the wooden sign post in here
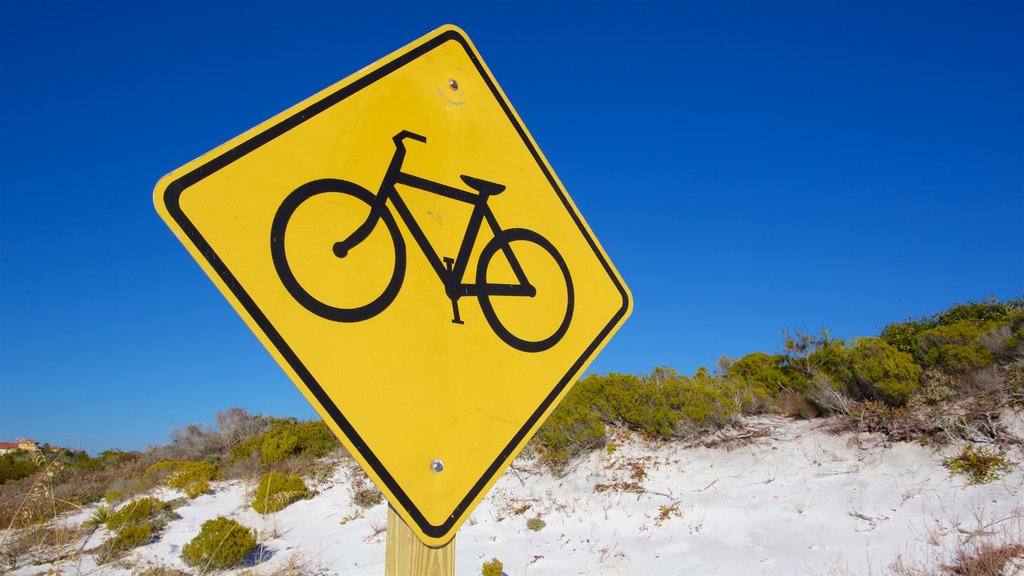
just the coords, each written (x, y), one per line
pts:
(406, 555)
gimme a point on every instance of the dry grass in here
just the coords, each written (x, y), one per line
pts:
(993, 547)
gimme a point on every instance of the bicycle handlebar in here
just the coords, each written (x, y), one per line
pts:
(407, 134)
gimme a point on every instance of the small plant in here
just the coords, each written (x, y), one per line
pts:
(980, 465)
(665, 512)
(275, 491)
(367, 497)
(99, 517)
(536, 524)
(492, 567)
(220, 544)
(364, 493)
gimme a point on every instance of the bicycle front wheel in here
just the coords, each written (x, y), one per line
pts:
(531, 323)
(344, 287)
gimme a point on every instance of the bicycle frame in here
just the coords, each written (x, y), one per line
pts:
(449, 271)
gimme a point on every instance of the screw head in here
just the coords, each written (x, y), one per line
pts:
(436, 466)
(453, 85)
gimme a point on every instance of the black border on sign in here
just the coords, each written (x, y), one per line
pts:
(172, 197)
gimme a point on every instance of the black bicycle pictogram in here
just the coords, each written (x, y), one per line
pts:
(450, 271)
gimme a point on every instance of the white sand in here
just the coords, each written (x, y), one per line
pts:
(795, 501)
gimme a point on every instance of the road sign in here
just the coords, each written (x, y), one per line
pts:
(407, 255)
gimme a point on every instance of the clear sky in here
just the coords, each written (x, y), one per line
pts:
(749, 167)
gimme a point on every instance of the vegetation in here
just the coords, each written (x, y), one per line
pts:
(220, 544)
(492, 567)
(192, 477)
(285, 438)
(980, 465)
(133, 524)
(936, 379)
(881, 372)
(135, 512)
(536, 524)
(945, 378)
(275, 491)
(130, 537)
(16, 465)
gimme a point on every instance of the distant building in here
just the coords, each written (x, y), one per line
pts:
(23, 444)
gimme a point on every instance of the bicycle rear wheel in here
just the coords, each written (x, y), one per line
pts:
(309, 223)
(540, 320)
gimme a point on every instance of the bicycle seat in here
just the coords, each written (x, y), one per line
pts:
(483, 186)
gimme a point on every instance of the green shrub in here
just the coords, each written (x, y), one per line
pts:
(904, 335)
(704, 403)
(220, 544)
(492, 567)
(277, 446)
(287, 437)
(883, 372)
(135, 512)
(990, 310)
(112, 497)
(955, 348)
(196, 488)
(536, 524)
(662, 404)
(275, 491)
(768, 373)
(191, 477)
(571, 429)
(16, 465)
(131, 536)
(980, 465)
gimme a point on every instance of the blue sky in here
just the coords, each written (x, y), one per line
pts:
(749, 167)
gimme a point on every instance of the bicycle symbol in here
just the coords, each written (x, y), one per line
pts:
(449, 271)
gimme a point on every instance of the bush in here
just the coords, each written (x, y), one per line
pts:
(220, 544)
(288, 437)
(771, 374)
(955, 348)
(16, 465)
(492, 567)
(904, 335)
(196, 488)
(191, 477)
(980, 465)
(536, 524)
(277, 446)
(135, 512)
(571, 429)
(661, 405)
(883, 372)
(131, 536)
(275, 491)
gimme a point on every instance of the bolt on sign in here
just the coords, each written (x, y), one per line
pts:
(402, 248)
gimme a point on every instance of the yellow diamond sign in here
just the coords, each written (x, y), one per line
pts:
(402, 248)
